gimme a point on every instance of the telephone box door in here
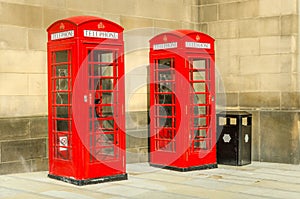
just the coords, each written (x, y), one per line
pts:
(103, 107)
(202, 108)
(165, 141)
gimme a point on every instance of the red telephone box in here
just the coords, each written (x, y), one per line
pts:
(182, 101)
(86, 100)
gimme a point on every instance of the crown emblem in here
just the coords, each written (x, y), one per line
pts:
(197, 38)
(61, 26)
(165, 38)
(101, 25)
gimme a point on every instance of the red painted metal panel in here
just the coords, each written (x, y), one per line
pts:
(86, 100)
(182, 132)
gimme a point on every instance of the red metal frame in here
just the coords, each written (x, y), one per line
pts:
(86, 100)
(183, 133)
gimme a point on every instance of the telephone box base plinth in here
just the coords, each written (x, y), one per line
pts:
(193, 168)
(90, 181)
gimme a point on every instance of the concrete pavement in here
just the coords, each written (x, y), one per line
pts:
(257, 180)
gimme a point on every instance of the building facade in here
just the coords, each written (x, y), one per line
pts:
(257, 61)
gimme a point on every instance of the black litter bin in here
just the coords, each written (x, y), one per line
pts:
(234, 138)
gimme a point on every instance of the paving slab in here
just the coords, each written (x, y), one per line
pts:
(253, 181)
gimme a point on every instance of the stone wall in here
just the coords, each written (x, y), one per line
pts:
(23, 144)
(23, 69)
(257, 59)
(257, 49)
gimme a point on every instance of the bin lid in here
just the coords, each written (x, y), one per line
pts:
(234, 113)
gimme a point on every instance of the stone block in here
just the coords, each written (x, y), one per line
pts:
(248, 9)
(289, 6)
(277, 44)
(118, 6)
(167, 9)
(208, 13)
(289, 24)
(238, 10)
(135, 22)
(15, 167)
(131, 120)
(167, 24)
(256, 136)
(14, 106)
(23, 150)
(228, 11)
(232, 99)
(265, 5)
(14, 128)
(53, 14)
(262, 100)
(37, 84)
(241, 83)
(37, 39)
(204, 2)
(290, 100)
(27, 2)
(18, 61)
(228, 65)
(232, 83)
(54, 3)
(226, 48)
(39, 127)
(12, 37)
(267, 64)
(265, 26)
(276, 82)
(132, 155)
(39, 164)
(279, 7)
(279, 132)
(202, 27)
(143, 154)
(89, 5)
(13, 84)
(136, 138)
(223, 30)
(248, 46)
(21, 15)
(137, 102)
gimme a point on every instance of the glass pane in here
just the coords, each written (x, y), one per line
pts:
(198, 75)
(62, 125)
(62, 84)
(199, 64)
(61, 56)
(106, 84)
(199, 87)
(108, 125)
(165, 99)
(62, 112)
(199, 98)
(199, 122)
(165, 111)
(200, 110)
(199, 133)
(164, 63)
(62, 98)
